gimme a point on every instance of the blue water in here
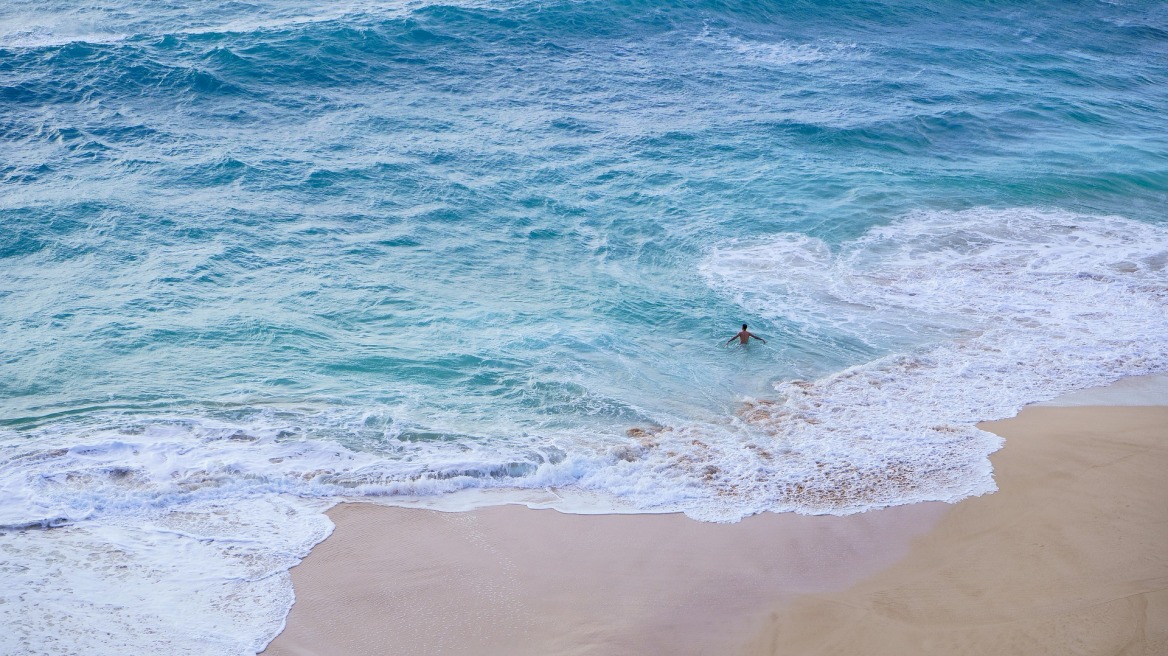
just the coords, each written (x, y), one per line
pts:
(402, 250)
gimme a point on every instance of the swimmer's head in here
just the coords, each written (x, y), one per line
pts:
(744, 326)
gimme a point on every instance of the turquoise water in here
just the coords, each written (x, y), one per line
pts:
(280, 253)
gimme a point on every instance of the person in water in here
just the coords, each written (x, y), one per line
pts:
(744, 336)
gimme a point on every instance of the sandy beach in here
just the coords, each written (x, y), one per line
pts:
(1070, 556)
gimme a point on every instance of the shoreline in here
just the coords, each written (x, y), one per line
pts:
(1054, 561)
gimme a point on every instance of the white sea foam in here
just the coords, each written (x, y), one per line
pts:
(782, 53)
(211, 578)
(122, 465)
(1008, 307)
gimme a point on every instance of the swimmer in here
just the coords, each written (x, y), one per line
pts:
(744, 336)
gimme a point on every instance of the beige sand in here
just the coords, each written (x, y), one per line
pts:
(510, 580)
(1070, 557)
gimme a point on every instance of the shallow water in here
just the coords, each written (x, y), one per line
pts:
(258, 257)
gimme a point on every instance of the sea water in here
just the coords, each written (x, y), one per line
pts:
(259, 257)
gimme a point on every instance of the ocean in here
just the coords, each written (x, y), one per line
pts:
(260, 257)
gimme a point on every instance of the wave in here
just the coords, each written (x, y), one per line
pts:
(979, 312)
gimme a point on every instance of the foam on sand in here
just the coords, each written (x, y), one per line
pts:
(1082, 492)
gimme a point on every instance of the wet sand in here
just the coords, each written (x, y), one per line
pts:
(511, 580)
(1069, 557)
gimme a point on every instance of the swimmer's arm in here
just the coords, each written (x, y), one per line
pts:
(732, 339)
(758, 338)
